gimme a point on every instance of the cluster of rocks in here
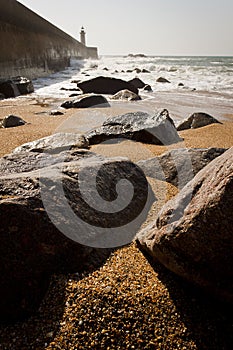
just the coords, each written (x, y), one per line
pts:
(15, 87)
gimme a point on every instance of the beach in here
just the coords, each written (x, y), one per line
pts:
(128, 301)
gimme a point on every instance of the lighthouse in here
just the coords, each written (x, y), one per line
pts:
(83, 36)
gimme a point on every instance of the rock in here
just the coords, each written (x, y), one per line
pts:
(138, 83)
(2, 97)
(129, 71)
(12, 121)
(193, 235)
(179, 166)
(71, 89)
(197, 120)
(91, 101)
(145, 71)
(139, 126)
(55, 143)
(33, 217)
(137, 55)
(24, 85)
(56, 112)
(86, 101)
(181, 84)
(147, 88)
(75, 81)
(162, 80)
(105, 85)
(126, 95)
(137, 70)
(106, 69)
(8, 89)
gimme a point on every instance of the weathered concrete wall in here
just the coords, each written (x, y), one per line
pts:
(31, 46)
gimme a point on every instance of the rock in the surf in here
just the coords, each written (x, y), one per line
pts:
(197, 120)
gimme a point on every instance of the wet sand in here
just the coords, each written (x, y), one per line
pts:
(128, 302)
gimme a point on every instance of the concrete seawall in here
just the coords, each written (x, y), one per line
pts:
(31, 46)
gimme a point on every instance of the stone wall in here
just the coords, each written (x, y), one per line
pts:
(31, 46)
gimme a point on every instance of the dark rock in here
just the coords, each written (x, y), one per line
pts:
(197, 120)
(126, 95)
(24, 85)
(75, 81)
(116, 71)
(71, 89)
(12, 121)
(56, 112)
(55, 143)
(67, 104)
(162, 80)
(137, 70)
(179, 166)
(147, 88)
(139, 126)
(138, 83)
(181, 84)
(105, 85)
(129, 71)
(193, 235)
(137, 55)
(2, 97)
(91, 101)
(9, 89)
(106, 69)
(145, 71)
(33, 217)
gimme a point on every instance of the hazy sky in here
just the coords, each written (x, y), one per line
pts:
(156, 27)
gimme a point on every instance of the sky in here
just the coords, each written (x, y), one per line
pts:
(152, 27)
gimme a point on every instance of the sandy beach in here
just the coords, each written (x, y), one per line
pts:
(127, 302)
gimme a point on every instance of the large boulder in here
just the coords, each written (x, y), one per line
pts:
(197, 120)
(139, 126)
(193, 235)
(179, 166)
(12, 121)
(55, 143)
(106, 85)
(48, 226)
(126, 95)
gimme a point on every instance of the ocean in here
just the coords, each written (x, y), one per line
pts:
(207, 81)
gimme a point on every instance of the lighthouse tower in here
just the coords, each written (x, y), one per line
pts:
(83, 36)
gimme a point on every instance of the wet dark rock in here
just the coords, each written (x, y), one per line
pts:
(179, 166)
(9, 89)
(147, 88)
(138, 83)
(56, 112)
(181, 84)
(145, 71)
(139, 126)
(71, 89)
(197, 120)
(106, 69)
(193, 234)
(162, 80)
(12, 121)
(105, 85)
(126, 95)
(2, 97)
(137, 70)
(55, 143)
(86, 101)
(34, 246)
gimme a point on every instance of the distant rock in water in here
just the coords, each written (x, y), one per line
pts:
(145, 71)
(147, 88)
(126, 95)
(197, 120)
(106, 85)
(137, 55)
(139, 126)
(54, 143)
(12, 121)
(86, 101)
(162, 80)
(193, 234)
(179, 166)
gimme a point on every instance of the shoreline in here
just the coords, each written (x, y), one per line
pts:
(128, 302)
